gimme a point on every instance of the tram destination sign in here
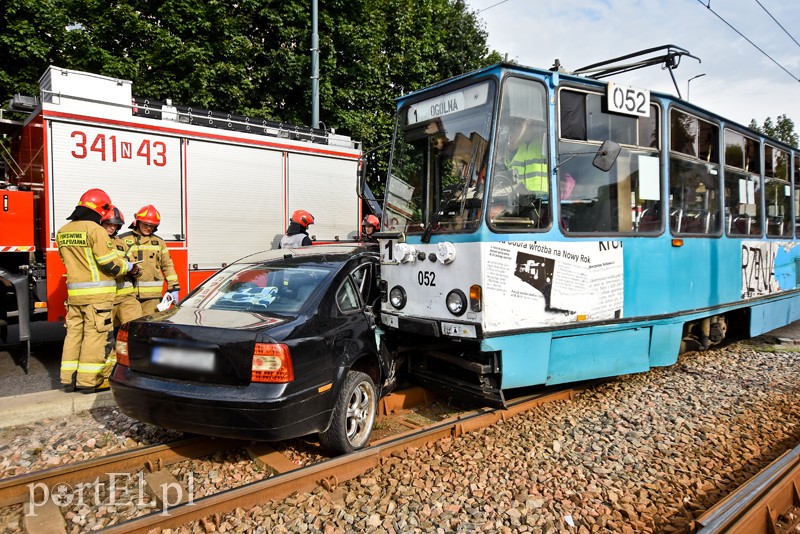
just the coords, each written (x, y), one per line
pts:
(449, 103)
(628, 100)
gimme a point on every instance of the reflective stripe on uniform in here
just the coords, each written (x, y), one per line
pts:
(90, 368)
(92, 288)
(69, 365)
(92, 291)
(92, 264)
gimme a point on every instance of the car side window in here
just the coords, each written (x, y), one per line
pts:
(347, 297)
(363, 279)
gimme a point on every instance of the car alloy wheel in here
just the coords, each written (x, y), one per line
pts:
(353, 415)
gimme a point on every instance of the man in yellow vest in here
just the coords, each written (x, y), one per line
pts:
(92, 264)
(528, 163)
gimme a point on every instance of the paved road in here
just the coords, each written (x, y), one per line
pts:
(46, 342)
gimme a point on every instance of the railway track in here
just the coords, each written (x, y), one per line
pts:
(769, 503)
(174, 504)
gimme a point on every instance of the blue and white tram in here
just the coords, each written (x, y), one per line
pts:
(545, 228)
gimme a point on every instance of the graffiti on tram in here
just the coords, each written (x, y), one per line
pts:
(768, 267)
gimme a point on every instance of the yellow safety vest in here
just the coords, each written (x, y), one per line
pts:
(530, 167)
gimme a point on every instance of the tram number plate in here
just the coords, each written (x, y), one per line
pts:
(426, 278)
(628, 100)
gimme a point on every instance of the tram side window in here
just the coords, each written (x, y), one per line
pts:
(627, 198)
(694, 177)
(742, 185)
(777, 192)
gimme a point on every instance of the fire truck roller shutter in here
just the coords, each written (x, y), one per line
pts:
(134, 168)
(326, 187)
(235, 201)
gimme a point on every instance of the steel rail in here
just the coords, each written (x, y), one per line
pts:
(756, 505)
(16, 490)
(330, 473)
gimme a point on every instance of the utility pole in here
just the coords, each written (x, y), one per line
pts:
(314, 67)
(687, 83)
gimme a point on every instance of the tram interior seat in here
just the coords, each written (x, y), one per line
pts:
(696, 221)
(775, 226)
(648, 221)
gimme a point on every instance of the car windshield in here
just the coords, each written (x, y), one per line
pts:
(273, 289)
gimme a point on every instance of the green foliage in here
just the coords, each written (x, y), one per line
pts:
(252, 57)
(782, 129)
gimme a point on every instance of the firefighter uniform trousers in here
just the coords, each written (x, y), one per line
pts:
(92, 264)
(156, 268)
(88, 345)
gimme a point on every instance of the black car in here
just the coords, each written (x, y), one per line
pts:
(278, 345)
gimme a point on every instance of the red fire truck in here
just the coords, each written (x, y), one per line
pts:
(225, 185)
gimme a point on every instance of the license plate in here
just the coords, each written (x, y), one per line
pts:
(181, 358)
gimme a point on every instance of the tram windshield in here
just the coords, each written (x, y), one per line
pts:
(439, 162)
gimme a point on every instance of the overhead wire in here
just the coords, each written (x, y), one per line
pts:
(491, 6)
(708, 6)
(778, 23)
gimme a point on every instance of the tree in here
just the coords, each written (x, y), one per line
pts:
(251, 57)
(782, 130)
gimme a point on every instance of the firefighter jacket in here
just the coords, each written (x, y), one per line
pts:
(124, 281)
(92, 262)
(156, 264)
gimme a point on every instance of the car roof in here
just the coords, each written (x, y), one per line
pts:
(336, 252)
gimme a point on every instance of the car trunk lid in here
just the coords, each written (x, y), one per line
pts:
(213, 346)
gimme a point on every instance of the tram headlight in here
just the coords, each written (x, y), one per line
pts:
(456, 302)
(397, 297)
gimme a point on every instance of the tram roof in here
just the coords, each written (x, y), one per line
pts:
(558, 76)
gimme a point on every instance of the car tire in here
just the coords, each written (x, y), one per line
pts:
(353, 415)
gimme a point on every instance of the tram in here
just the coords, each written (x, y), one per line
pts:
(543, 227)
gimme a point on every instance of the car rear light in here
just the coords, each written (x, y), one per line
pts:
(271, 363)
(122, 348)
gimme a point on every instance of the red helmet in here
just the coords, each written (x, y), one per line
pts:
(303, 218)
(148, 214)
(114, 216)
(96, 200)
(371, 220)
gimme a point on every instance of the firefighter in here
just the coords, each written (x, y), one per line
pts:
(297, 232)
(144, 246)
(92, 263)
(369, 226)
(126, 306)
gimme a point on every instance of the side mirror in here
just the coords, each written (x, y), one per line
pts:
(606, 155)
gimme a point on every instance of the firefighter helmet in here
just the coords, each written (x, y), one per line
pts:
(303, 218)
(148, 214)
(371, 220)
(96, 200)
(114, 216)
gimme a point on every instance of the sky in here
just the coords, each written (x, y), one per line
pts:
(739, 83)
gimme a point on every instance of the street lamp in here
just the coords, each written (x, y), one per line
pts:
(688, 82)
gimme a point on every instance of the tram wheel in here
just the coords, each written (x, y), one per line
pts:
(353, 415)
